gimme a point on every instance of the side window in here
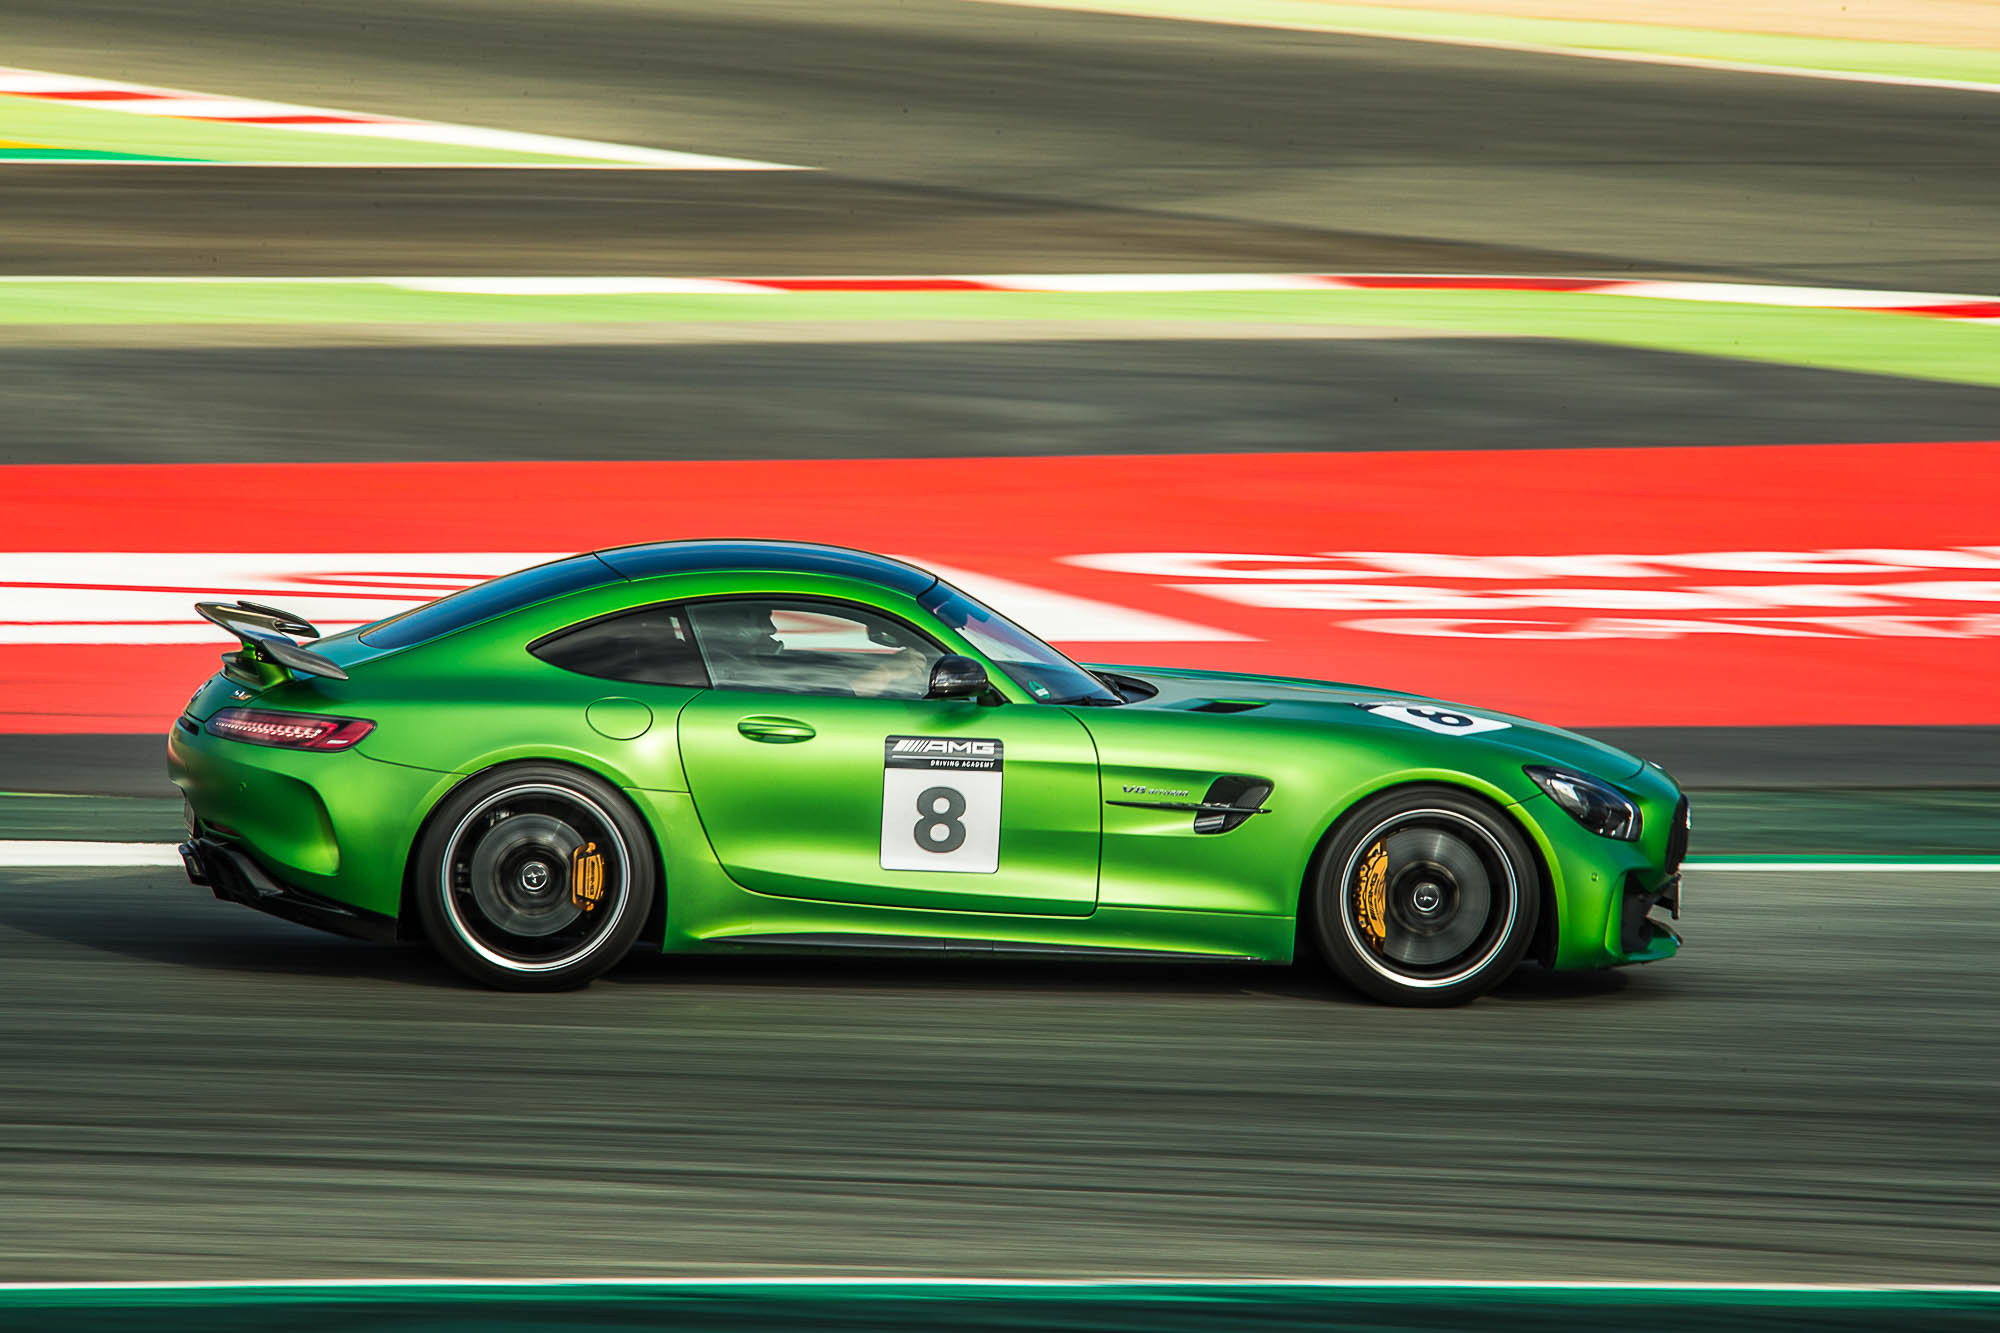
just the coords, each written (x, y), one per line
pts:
(800, 647)
(651, 646)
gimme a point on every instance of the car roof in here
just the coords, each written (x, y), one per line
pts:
(649, 559)
(596, 569)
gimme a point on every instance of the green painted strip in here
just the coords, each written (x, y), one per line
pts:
(73, 126)
(891, 1307)
(1830, 823)
(110, 819)
(83, 155)
(1836, 55)
(1863, 341)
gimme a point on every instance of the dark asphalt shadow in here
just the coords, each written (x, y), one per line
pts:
(228, 938)
(837, 972)
(187, 929)
(190, 930)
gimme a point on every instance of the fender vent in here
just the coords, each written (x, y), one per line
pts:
(1245, 795)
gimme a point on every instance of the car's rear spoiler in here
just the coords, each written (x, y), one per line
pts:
(268, 644)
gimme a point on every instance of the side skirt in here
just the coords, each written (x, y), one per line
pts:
(942, 945)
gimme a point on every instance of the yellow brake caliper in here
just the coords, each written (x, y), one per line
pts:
(1371, 894)
(586, 876)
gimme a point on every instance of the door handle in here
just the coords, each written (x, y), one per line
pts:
(775, 730)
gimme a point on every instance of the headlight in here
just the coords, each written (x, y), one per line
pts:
(1598, 806)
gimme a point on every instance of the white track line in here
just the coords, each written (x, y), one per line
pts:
(1525, 48)
(1838, 867)
(91, 855)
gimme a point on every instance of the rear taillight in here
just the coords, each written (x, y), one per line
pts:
(291, 731)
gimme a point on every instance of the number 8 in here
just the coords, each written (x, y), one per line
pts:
(934, 818)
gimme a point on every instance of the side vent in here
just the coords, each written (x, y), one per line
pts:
(1239, 797)
(1227, 705)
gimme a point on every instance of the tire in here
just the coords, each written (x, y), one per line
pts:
(1456, 893)
(506, 886)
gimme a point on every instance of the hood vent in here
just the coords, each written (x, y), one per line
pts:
(1227, 705)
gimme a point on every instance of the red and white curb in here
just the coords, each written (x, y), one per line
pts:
(1936, 305)
(173, 103)
(95, 597)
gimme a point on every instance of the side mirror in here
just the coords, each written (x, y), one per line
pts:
(955, 677)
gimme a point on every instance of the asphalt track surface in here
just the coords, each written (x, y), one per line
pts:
(981, 399)
(946, 131)
(196, 1091)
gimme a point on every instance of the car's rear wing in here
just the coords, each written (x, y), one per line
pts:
(270, 653)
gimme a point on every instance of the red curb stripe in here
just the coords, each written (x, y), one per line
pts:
(293, 120)
(1954, 310)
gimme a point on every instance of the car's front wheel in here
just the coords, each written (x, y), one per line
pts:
(1424, 896)
(534, 877)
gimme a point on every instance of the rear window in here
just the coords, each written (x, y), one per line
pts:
(650, 646)
(483, 601)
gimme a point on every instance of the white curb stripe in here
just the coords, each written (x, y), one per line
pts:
(173, 103)
(1750, 293)
(1158, 282)
(583, 286)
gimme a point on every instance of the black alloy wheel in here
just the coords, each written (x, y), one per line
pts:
(534, 877)
(1425, 896)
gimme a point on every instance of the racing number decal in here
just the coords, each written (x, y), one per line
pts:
(1444, 721)
(586, 877)
(941, 804)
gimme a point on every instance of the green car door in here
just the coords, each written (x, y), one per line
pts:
(820, 771)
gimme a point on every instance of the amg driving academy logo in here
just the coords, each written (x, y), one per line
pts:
(918, 745)
(978, 755)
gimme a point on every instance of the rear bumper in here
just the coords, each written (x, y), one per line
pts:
(232, 876)
(337, 827)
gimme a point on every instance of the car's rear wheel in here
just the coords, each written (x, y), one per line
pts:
(1424, 896)
(534, 877)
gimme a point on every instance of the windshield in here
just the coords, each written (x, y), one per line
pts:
(1028, 662)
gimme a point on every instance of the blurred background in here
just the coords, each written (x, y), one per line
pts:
(1635, 367)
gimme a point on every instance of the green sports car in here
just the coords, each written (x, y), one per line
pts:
(734, 746)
